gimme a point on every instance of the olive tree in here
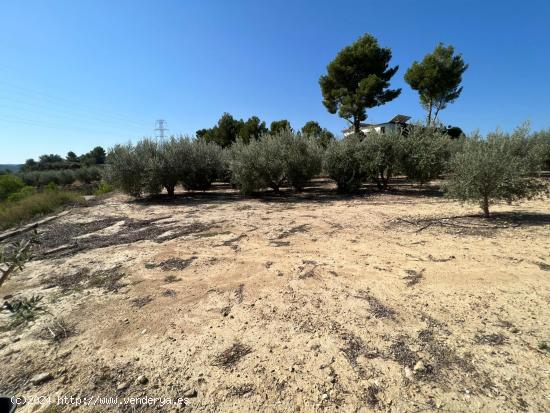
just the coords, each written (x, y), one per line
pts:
(245, 169)
(380, 156)
(168, 163)
(204, 164)
(126, 170)
(273, 159)
(542, 140)
(424, 153)
(303, 159)
(343, 162)
(493, 169)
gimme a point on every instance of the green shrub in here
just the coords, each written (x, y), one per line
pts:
(425, 152)
(149, 166)
(9, 184)
(103, 188)
(173, 157)
(13, 213)
(258, 165)
(22, 193)
(542, 141)
(245, 169)
(303, 159)
(274, 159)
(343, 162)
(87, 175)
(126, 170)
(380, 156)
(205, 164)
(491, 170)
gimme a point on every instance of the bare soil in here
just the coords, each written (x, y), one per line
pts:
(400, 302)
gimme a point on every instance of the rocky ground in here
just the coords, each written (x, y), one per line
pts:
(400, 302)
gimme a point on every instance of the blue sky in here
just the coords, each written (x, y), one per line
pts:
(75, 74)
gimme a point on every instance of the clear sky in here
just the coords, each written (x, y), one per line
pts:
(75, 74)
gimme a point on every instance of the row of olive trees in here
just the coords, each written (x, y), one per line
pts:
(40, 178)
(274, 159)
(501, 167)
(149, 166)
(422, 155)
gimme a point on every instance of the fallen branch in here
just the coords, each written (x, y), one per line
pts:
(28, 227)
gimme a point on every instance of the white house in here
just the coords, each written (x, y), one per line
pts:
(398, 122)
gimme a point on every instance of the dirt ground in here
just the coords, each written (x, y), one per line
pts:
(399, 302)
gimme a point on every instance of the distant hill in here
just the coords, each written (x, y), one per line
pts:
(11, 167)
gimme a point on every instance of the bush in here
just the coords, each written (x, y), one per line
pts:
(246, 172)
(22, 193)
(274, 159)
(149, 166)
(425, 152)
(87, 175)
(13, 213)
(380, 156)
(103, 188)
(542, 141)
(343, 162)
(303, 159)
(260, 164)
(63, 177)
(173, 157)
(126, 170)
(205, 164)
(491, 170)
(9, 184)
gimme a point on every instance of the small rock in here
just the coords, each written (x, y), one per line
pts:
(409, 373)
(143, 331)
(123, 386)
(324, 396)
(142, 379)
(41, 378)
(190, 393)
(419, 367)
(15, 339)
(126, 321)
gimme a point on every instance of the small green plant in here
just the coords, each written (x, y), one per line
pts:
(24, 310)
(543, 346)
(103, 188)
(52, 187)
(14, 256)
(171, 278)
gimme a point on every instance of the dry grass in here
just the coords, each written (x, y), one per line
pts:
(16, 212)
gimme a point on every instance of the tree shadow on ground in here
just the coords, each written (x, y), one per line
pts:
(520, 218)
(318, 191)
